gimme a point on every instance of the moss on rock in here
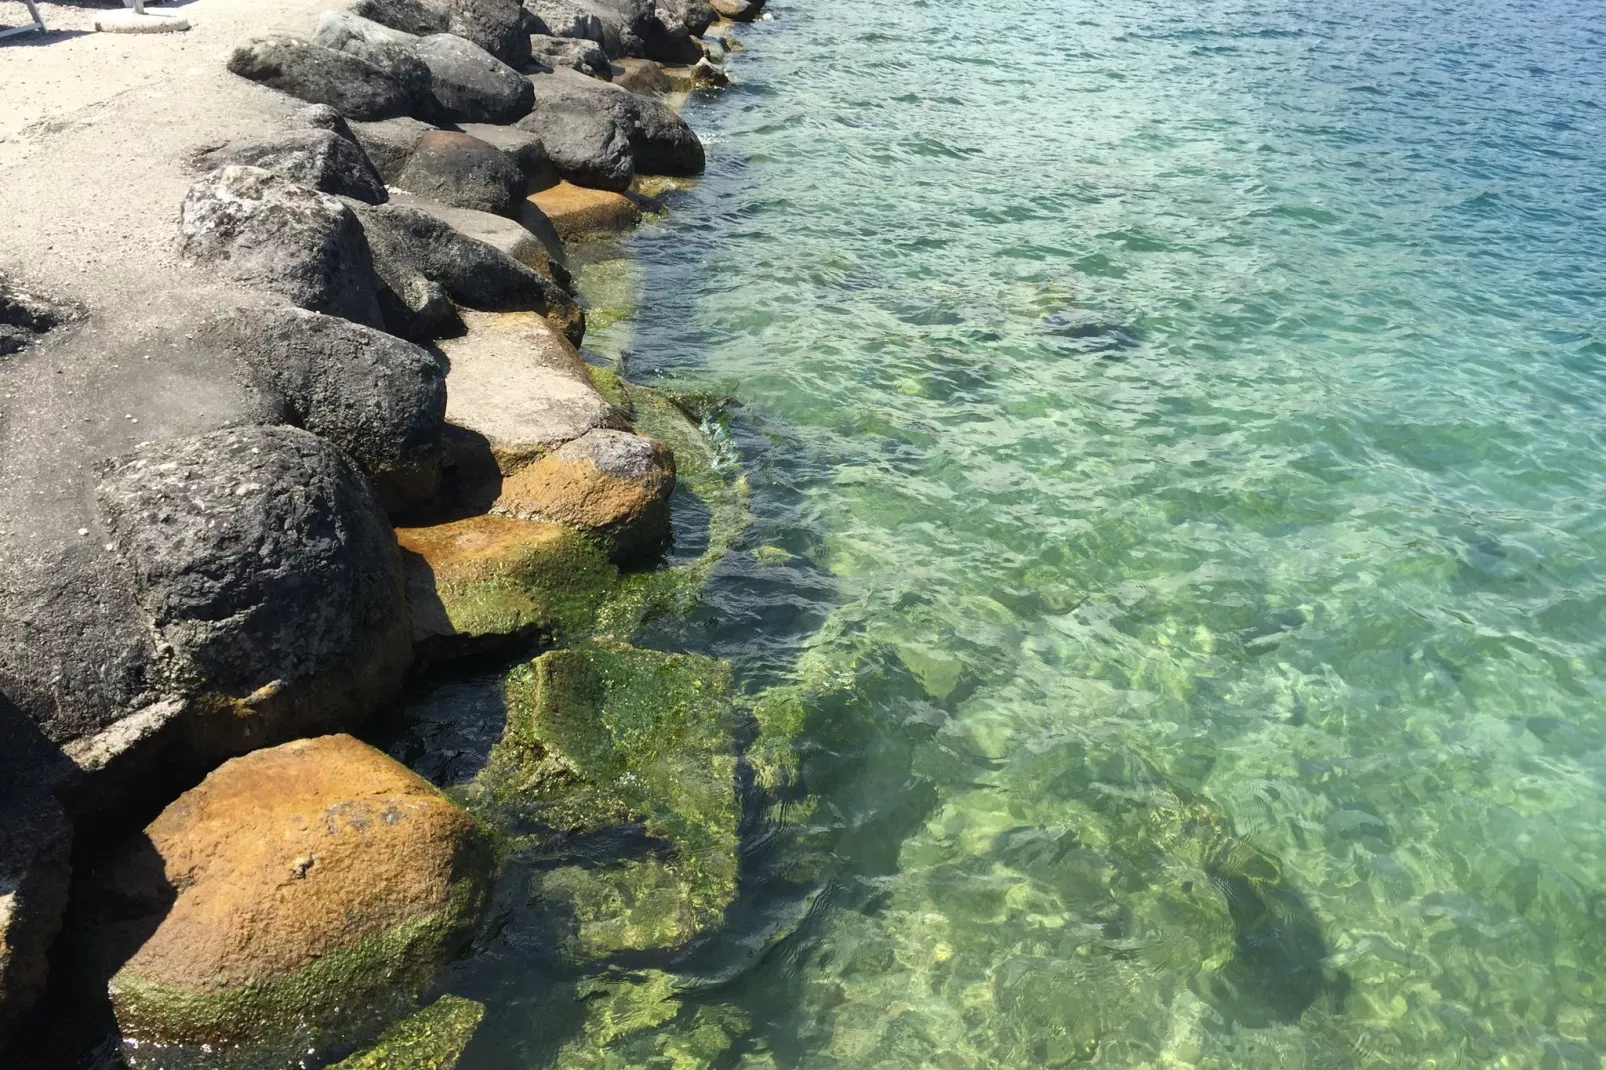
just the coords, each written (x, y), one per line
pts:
(432, 1039)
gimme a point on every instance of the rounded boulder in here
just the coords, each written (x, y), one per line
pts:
(464, 172)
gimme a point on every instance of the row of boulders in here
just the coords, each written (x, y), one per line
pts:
(211, 569)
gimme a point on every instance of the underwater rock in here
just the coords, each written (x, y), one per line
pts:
(491, 577)
(579, 212)
(469, 84)
(464, 172)
(268, 232)
(319, 159)
(352, 86)
(612, 485)
(292, 885)
(432, 1039)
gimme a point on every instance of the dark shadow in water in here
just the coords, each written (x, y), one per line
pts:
(1277, 970)
(1090, 334)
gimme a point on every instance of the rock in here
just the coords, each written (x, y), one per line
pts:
(738, 10)
(463, 171)
(700, 75)
(320, 159)
(267, 576)
(470, 85)
(497, 26)
(574, 19)
(389, 144)
(695, 15)
(673, 44)
(523, 147)
(635, 21)
(493, 578)
(516, 384)
(641, 76)
(586, 147)
(408, 244)
(392, 51)
(572, 113)
(535, 251)
(613, 485)
(354, 87)
(432, 1039)
(24, 316)
(378, 398)
(578, 53)
(268, 232)
(578, 211)
(292, 884)
(410, 16)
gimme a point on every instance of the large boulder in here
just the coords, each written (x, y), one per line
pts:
(695, 15)
(575, 19)
(291, 886)
(390, 143)
(320, 159)
(267, 577)
(587, 148)
(579, 212)
(410, 243)
(578, 53)
(498, 26)
(352, 86)
(390, 50)
(522, 147)
(417, 17)
(612, 485)
(266, 231)
(458, 169)
(537, 249)
(738, 10)
(470, 85)
(572, 111)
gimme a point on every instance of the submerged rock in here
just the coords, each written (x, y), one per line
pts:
(612, 485)
(268, 232)
(292, 886)
(319, 159)
(432, 1039)
(641, 76)
(578, 212)
(465, 172)
(470, 85)
(488, 578)
(352, 86)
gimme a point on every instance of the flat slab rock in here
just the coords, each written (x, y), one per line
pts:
(578, 212)
(517, 383)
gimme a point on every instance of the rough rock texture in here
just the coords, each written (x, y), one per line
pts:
(536, 251)
(578, 211)
(269, 232)
(497, 26)
(517, 385)
(352, 86)
(490, 577)
(576, 19)
(695, 15)
(465, 172)
(24, 316)
(523, 147)
(389, 144)
(738, 10)
(579, 53)
(321, 159)
(470, 85)
(266, 574)
(409, 16)
(390, 50)
(641, 76)
(409, 244)
(580, 121)
(613, 485)
(635, 21)
(291, 884)
(378, 398)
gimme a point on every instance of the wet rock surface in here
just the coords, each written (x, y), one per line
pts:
(578, 212)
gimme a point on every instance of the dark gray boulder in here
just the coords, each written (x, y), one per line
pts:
(407, 242)
(695, 15)
(522, 147)
(389, 144)
(378, 398)
(573, 112)
(269, 232)
(465, 172)
(267, 577)
(417, 17)
(587, 20)
(392, 51)
(470, 85)
(352, 86)
(587, 147)
(321, 159)
(498, 26)
(24, 316)
(635, 20)
(576, 53)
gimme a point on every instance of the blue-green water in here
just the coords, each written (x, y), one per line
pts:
(1175, 438)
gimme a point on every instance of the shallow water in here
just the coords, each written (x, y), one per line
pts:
(1174, 434)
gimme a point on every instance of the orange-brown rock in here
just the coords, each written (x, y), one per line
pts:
(292, 883)
(579, 211)
(613, 485)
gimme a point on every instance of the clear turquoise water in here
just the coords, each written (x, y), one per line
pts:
(1184, 422)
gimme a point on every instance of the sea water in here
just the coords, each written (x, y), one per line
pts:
(1176, 442)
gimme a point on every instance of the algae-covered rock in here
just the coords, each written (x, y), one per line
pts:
(607, 736)
(292, 886)
(490, 576)
(432, 1039)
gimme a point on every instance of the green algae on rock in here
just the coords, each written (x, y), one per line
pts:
(432, 1039)
(609, 735)
(638, 1019)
